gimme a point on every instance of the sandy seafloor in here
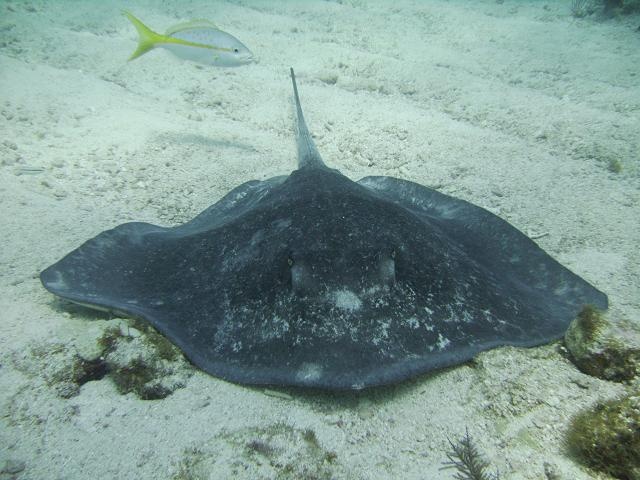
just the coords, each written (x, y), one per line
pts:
(515, 106)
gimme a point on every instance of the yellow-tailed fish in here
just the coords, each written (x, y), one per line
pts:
(199, 41)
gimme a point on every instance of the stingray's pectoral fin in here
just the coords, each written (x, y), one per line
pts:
(110, 271)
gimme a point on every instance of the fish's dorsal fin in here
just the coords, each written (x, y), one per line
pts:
(308, 155)
(196, 24)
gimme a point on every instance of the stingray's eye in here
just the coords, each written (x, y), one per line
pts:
(387, 268)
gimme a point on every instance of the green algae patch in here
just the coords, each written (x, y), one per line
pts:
(607, 437)
(142, 361)
(601, 348)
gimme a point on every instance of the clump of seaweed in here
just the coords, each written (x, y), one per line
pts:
(141, 378)
(614, 165)
(62, 366)
(164, 348)
(140, 360)
(590, 322)
(468, 461)
(600, 350)
(109, 339)
(607, 437)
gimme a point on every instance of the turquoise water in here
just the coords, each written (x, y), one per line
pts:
(522, 108)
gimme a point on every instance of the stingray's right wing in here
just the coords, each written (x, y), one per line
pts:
(493, 242)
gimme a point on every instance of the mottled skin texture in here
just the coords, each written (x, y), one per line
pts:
(316, 280)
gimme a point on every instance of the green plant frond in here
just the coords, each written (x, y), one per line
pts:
(468, 461)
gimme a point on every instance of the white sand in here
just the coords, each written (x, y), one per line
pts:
(515, 106)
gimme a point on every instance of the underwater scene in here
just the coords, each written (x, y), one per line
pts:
(346, 239)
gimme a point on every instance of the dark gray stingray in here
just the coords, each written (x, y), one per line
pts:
(315, 280)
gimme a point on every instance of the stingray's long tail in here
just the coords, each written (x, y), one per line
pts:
(308, 155)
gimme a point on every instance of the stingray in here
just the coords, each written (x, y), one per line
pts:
(315, 280)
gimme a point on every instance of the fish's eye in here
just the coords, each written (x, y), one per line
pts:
(235, 50)
(290, 261)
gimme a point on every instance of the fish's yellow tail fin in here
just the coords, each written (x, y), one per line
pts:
(148, 39)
